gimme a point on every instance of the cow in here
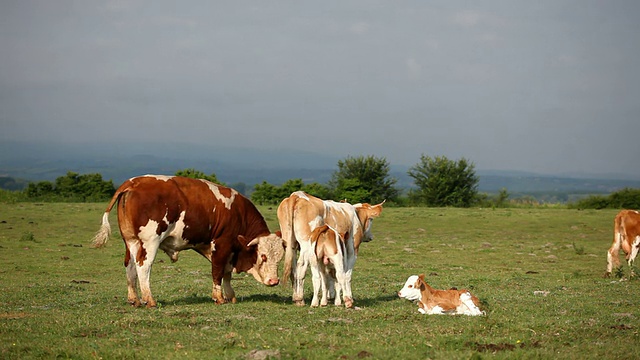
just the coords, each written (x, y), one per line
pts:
(174, 213)
(431, 301)
(329, 250)
(299, 215)
(626, 235)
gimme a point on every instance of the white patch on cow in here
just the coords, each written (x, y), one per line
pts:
(436, 310)
(634, 250)
(315, 222)
(301, 194)
(158, 177)
(149, 231)
(216, 192)
(409, 290)
(468, 307)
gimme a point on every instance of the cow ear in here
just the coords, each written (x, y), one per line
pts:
(422, 282)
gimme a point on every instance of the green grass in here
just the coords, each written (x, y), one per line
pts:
(538, 271)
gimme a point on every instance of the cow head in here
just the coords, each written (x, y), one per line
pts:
(270, 250)
(366, 214)
(413, 287)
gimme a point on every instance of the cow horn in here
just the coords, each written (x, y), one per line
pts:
(253, 242)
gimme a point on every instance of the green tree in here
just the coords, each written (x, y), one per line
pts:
(264, 193)
(363, 179)
(317, 190)
(196, 174)
(443, 182)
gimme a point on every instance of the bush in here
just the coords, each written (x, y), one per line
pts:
(626, 198)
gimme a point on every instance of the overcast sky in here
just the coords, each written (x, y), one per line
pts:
(550, 86)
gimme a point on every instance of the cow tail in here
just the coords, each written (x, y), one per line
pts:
(102, 235)
(288, 237)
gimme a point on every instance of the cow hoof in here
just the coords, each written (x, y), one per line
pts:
(348, 303)
(607, 275)
(299, 302)
(135, 303)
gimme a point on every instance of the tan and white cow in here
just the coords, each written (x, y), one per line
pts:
(174, 213)
(299, 215)
(329, 249)
(626, 235)
(431, 301)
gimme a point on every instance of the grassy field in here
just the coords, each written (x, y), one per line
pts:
(538, 272)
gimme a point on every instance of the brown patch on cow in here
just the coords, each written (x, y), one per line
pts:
(142, 254)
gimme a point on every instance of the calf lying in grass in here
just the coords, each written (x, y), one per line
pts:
(431, 301)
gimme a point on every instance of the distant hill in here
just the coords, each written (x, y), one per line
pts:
(118, 162)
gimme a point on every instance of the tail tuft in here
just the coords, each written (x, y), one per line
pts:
(101, 237)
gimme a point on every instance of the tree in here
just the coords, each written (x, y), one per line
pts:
(443, 182)
(264, 193)
(363, 179)
(196, 174)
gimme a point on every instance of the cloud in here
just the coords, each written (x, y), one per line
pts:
(467, 18)
(414, 69)
(359, 28)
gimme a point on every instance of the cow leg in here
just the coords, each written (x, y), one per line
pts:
(613, 260)
(343, 283)
(228, 293)
(132, 279)
(300, 271)
(142, 256)
(218, 265)
(316, 278)
(325, 280)
(633, 253)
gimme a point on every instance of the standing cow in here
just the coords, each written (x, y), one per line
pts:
(174, 213)
(626, 235)
(299, 215)
(329, 249)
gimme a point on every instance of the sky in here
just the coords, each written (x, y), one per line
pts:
(549, 86)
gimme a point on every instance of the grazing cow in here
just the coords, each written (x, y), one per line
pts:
(431, 301)
(626, 235)
(299, 215)
(174, 213)
(329, 249)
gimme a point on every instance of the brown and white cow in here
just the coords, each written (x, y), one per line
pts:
(299, 215)
(626, 235)
(329, 249)
(431, 301)
(174, 213)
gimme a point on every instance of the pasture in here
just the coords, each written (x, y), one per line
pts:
(538, 271)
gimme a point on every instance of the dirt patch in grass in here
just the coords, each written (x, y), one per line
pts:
(17, 315)
(494, 348)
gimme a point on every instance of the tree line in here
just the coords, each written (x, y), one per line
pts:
(439, 182)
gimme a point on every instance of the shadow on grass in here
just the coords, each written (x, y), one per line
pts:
(198, 299)
(275, 299)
